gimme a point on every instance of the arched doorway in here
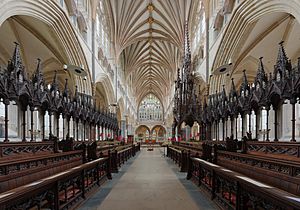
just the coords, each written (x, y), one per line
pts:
(142, 133)
(158, 133)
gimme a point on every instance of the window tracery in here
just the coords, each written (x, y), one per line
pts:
(150, 109)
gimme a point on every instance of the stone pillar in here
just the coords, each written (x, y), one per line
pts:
(123, 127)
(187, 132)
(271, 125)
(257, 124)
(285, 122)
(41, 116)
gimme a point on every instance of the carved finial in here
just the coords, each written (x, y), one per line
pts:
(233, 90)
(283, 64)
(244, 85)
(54, 85)
(261, 76)
(15, 66)
(16, 56)
(38, 67)
(224, 93)
(66, 90)
(281, 53)
(38, 76)
(54, 82)
(76, 93)
(245, 80)
(187, 38)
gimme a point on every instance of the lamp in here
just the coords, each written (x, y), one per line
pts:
(77, 70)
(223, 69)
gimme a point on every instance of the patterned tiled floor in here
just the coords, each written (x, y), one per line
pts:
(149, 182)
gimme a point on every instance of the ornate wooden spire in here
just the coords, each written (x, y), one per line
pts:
(54, 85)
(245, 85)
(15, 66)
(233, 91)
(66, 90)
(261, 77)
(283, 65)
(38, 79)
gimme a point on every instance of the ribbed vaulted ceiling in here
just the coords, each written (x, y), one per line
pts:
(150, 35)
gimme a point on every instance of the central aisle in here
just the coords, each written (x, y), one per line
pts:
(149, 183)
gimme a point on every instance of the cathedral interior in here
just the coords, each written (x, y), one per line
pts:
(149, 104)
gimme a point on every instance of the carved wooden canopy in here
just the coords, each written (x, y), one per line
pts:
(16, 86)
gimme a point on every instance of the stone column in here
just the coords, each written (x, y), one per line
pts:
(286, 118)
(123, 127)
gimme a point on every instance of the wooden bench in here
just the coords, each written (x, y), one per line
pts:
(232, 190)
(66, 188)
(279, 170)
(63, 190)
(20, 172)
(281, 173)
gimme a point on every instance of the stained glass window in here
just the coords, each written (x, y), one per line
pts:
(150, 109)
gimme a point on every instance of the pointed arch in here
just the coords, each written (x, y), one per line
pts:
(105, 86)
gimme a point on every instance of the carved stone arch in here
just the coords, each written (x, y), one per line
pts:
(51, 14)
(105, 86)
(159, 127)
(245, 20)
(140, 130)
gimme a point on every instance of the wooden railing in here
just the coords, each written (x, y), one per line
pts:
(194, 148)
(11, 149)
(121, 155)
(61, 178)
(180, 157)
(263, 161)
(17, 167)
(66, 189)
(60, 191)
(289, 149)
(231, 190)
(281, 173)
(179, 152)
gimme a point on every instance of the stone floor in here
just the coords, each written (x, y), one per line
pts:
(149, 181)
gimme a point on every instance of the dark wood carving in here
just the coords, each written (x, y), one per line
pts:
(267, 92)
(34, 94)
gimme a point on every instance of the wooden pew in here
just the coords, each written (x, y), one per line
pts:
(15, 173)
(280, 170)
(281, 173)
(64, 190)
(231, 190)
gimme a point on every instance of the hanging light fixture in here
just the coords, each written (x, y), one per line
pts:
(77, 70)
